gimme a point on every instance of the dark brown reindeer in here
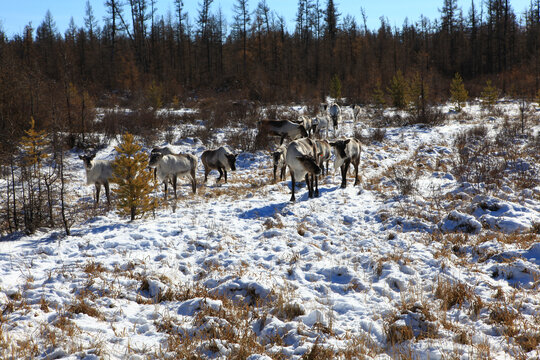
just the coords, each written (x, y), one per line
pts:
(221, 159)
(347, 151)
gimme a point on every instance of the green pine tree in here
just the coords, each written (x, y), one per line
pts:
(398, 91)
(458, 93)
(490, 94)
(135, 183)
(335, 88)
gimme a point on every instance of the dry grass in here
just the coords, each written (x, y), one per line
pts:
(454, 293)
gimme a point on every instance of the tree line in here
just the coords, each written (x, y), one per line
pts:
(138, 57)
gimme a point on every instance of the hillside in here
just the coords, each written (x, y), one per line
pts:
(436, 255)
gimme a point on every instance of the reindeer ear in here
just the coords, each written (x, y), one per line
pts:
(347, 141)
(81, 157)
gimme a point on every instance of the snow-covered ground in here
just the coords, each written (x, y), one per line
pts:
(443, 269)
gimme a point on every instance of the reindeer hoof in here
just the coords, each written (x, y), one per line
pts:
(343, 186)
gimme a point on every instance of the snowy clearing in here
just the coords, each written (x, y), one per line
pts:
(414, 263)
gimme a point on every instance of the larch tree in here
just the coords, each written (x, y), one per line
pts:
(489, 95)
(458, 93)
(134, 182)
(398, 91)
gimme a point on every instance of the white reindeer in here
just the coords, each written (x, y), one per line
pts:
(98, 172)
(320, 124)
(301, 162)
(283, 129)
(170, 167)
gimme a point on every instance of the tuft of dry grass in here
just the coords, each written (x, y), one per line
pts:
(82, 307)
(453, 293)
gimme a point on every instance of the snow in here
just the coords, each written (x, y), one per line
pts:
(352, 264)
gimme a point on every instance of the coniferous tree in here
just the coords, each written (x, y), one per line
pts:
(489, 95)
(335, 88)
(398, 91)
(33, 146)
(458, 93)
(134, 182)
(418, 93)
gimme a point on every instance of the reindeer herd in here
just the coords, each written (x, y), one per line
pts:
(305, 156)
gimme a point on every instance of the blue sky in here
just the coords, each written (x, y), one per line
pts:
(14, 15)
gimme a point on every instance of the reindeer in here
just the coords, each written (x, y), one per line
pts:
(221, 159)
(319, 124)
(98, 172)
(347, 151)
(283, 129)
(335, 114)
(165, 150)
(279, 157)
(169, 167)
(307, 123)
(323, 154)
(301, 162)
(356, 110)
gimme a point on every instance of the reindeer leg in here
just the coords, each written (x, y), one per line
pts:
(220, 174)
(225, 172)
(309, 183)
(356, 181)
(282, 176)
(292, 185)
(344, 169)
(174, 180)
(193, 181)
(275, 170)
(327, 163)
(98, 188)
(206, 171)
(165, 192)
(316, 185)
(282, 138)
(107, 193)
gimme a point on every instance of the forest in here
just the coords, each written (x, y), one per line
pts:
(140, 59)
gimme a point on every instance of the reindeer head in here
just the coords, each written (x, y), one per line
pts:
(231, 158)
(87, 158)
(155, 158)
(340, 146)
(309, 163)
